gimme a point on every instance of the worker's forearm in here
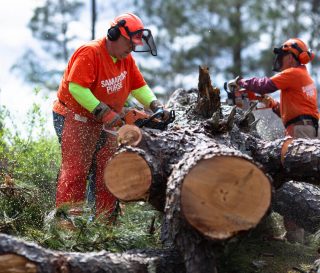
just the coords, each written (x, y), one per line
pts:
(258, 85)
(144, 95)
(83, 96)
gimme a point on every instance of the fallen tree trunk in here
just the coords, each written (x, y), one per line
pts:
(288, 159)
(17, 256)
(212, 194)
(141, 173)
(299, 202)
(215, 192)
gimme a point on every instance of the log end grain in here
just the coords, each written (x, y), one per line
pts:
(16, 264)
(222, 196)
(129, 135)
(128, 177)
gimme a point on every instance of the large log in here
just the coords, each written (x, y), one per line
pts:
(17, 256)
(288, 159)
(212, 194)
(216, 192)
(299, 202)
(141, 173)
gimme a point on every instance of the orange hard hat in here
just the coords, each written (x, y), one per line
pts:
(299, 49)
(129, 23)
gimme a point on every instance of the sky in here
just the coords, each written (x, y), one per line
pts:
(17, 95)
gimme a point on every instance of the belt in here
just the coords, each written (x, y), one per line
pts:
(304, 120)
(301, 120)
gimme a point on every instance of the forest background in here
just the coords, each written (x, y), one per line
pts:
(231, 37)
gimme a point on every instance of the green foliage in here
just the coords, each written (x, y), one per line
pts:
(130, 231)
(231, 37)
(29, 163)
(28, 167)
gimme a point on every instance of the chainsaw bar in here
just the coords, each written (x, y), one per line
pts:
(155, 124)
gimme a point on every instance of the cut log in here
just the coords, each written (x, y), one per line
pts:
(299, 202)
(17, 256)
(129, 135)
(214, 194)
(141, 173)
(128, 176)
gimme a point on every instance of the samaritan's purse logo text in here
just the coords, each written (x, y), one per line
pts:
(113, 85)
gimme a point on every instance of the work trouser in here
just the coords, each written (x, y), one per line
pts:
(302, 131)
(303, 126)
(84, 147)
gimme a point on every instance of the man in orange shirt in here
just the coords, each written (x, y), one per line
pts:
(298, 98)
(98, 79)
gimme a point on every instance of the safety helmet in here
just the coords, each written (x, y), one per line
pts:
(131, 27)
(297, 48)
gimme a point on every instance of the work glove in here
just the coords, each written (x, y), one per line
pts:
(268, 101)
(233, 85)
(107, 116)
(156, 106)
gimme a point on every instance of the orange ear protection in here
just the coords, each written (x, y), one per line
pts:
(303, 56)
(114, 32)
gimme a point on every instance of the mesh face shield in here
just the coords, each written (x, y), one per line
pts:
(277, 62)
(142, 41)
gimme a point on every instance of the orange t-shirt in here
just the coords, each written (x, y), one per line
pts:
(298, 93)
(91, 66)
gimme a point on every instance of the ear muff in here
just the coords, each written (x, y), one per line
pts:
(304, 56)
(114, 32)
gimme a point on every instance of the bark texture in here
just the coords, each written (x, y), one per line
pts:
(299, 202)
(188, 231)
(17, 256)
(288, 159)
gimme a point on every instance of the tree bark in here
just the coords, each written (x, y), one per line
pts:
(17, 256)
(299, 202)
(214, 194)
(208, 101)
(288, 159)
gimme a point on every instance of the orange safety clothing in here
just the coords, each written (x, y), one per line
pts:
(298, 93)
(85, 146)
(92, 67)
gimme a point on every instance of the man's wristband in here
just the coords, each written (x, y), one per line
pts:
(101, 110)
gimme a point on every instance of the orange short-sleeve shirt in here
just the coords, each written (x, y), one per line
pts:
(298, 93)
(91, 66)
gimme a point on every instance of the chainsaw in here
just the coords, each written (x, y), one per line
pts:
(243, 98)
(142, 119)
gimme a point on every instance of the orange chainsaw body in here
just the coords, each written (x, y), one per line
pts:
(133, 115)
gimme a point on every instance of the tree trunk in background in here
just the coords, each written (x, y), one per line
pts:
(93, 19)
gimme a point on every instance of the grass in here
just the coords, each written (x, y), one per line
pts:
(259, 252)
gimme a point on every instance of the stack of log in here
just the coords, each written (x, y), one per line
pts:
(211, 176)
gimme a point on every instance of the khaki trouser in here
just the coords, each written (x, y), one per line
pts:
(302, 131)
